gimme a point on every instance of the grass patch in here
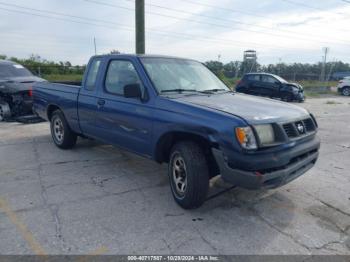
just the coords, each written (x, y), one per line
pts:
(315, 84)
(70, 78)
(312, 94)
(309, 93)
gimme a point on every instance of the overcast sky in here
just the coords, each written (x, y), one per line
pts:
(279, 30)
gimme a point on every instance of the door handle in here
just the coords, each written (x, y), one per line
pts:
(101, 102)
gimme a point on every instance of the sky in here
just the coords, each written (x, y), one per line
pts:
(279, 30)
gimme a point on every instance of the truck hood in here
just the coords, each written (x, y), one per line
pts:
(255, 110)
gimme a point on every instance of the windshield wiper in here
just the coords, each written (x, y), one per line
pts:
(208, 91)
(179, 90)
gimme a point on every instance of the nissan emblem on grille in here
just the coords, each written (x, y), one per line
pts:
(300, 128)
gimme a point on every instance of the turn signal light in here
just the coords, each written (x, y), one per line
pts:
(241, 137)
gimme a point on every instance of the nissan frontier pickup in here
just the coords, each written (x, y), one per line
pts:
(176, 111)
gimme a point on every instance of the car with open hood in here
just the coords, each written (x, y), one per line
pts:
(16, 90)
(269, 85)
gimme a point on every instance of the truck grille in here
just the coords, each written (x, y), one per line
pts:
(299, 128)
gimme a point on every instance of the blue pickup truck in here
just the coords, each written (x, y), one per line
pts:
(176, 111)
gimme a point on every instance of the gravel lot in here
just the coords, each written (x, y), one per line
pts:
(97, 199)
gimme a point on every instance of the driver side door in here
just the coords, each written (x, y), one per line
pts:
(125, 122)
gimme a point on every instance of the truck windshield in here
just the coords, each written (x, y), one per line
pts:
(180, 75)
(13, 70)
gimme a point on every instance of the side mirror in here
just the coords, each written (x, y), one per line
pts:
(132, 91)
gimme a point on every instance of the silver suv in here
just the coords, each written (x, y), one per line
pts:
(344, 86)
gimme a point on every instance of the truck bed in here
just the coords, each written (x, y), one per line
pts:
(61, 87)
(49, 96)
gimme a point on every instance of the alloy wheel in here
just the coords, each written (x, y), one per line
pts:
(179, 175)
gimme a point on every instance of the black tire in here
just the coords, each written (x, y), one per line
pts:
(197, 174)
(346, 91)
(68, 138)
(5, 111)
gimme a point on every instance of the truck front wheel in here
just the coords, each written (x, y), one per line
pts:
(188, 174)
(61, 133)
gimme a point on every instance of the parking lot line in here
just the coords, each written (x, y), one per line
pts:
(100, 251)
(26, 234)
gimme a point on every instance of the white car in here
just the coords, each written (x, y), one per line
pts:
(344, 86)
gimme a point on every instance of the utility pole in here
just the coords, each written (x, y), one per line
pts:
(279, 65)
(323, 72)
(330, 71)
(95, 46)
(140, 26)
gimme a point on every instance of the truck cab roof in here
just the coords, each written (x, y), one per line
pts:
(140, 56)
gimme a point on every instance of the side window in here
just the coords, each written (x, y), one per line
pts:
(119, 74)
(253, 77)
(268, 79)
(92, 74)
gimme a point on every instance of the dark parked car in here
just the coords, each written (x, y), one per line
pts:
(269, 85)
(176, 111)
(15, 90)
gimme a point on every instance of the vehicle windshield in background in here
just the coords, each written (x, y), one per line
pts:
(14, 70)
(180, 75)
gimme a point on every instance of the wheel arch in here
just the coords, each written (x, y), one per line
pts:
(168, 140)
(50, 109)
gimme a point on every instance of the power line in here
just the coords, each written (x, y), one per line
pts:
(221, 19)
(158, 32)
(112, 25)
(211, 24)
(346, 1)
(62, 14)
(253, 14)
(311, 7)
(131, 9)
(223, 8)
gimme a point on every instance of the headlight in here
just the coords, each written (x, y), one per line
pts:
(246, 138)
(295, 90)
(265, 133)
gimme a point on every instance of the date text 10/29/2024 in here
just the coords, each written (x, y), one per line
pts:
(173, 258)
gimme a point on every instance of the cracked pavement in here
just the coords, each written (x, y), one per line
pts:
(97, 196)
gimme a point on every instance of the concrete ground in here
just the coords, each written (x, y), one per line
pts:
(97, 199)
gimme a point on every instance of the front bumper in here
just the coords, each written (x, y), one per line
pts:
(293, 163)
(300, 96)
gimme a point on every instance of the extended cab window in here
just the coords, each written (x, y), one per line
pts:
(120, 73)
(92, 74)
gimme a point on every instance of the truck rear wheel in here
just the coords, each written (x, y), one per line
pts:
(188, 174)
(61, 133)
